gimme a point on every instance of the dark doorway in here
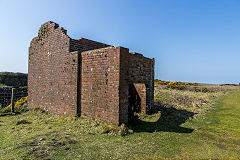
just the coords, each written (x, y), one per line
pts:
(134, 101)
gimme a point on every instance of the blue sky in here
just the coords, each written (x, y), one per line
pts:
(191, 40)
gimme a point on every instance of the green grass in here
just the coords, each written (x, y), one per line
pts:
(169, 134)
(219, 133)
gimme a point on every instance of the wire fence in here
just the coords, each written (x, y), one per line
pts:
(6, 95)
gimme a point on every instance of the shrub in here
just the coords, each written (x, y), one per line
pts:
(156, 81)
(20, 106)
(173, 85)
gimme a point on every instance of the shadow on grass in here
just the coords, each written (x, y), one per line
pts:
(169, 121)
(9, 114)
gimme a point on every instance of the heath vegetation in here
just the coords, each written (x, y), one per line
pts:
(188, 121)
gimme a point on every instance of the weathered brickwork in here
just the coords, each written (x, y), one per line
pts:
(100, 84)
(52, 77)
(87, 78)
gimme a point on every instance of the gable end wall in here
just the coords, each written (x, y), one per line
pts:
(53, 71)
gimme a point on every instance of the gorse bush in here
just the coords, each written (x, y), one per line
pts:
(160, 82)
(20, 106)
(180, 85)
(173, 85)
(177, 85)
(156, 81)
(195, 87)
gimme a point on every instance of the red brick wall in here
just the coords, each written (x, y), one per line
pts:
(83, 44)
(83, 77)
(141, 90)
(54, 69)
(124, 85)
(100, 84)
(141, 70)
(52, 77)
(140, 73)
(105, 78)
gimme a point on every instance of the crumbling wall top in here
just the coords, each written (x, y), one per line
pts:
(46, 29)
(50, 26)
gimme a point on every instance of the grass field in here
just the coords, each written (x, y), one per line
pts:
(174, 132)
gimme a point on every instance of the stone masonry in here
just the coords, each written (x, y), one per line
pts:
(87, 78)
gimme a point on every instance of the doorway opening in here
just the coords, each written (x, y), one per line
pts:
(136, 99)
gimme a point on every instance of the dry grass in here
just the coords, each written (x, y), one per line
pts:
(193, 98)
(167, 134)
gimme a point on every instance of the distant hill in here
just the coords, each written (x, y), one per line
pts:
(13, 79)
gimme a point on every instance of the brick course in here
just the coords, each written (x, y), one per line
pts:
(87, 78)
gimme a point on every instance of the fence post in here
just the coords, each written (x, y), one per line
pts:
(12, 100)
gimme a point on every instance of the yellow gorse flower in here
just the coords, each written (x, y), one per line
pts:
(19, 103)
(173, 84)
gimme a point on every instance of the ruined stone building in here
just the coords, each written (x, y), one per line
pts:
(87, 78)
